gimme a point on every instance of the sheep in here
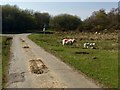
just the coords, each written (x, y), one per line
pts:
(68, 41)
(91, 45)
(86, 45)
(97, 33)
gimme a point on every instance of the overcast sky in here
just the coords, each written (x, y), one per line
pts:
(81, 9)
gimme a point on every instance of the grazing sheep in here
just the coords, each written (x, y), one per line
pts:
(96, 32)
(91, 45)
(68, 41)
(86, 45)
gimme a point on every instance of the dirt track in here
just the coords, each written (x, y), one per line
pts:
(58, 74)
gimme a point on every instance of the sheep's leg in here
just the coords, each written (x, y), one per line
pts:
(86, 46)
(63, 43)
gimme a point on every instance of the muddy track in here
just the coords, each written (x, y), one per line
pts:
(33, 67)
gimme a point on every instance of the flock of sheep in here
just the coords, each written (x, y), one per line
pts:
(85, 45)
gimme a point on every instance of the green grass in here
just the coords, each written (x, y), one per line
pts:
(103, 69)
(6, 41)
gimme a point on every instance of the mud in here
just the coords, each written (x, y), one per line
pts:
(26, 46)
(22, 39)
(37, 67)
(16, 77)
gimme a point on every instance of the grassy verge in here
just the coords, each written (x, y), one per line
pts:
(0, 62)
(103, 69)
(6, 41)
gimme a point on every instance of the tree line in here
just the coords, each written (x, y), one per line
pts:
(16, 20)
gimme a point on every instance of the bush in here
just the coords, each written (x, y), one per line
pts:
(65, 22)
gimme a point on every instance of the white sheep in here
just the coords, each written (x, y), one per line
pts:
(96, 32)
(91, 45)
(86, 45)
(68, 41)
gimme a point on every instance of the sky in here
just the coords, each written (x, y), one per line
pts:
(81, 9)
(60, 0)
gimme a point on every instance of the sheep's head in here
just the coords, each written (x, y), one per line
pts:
(74, 40)
(93, 43)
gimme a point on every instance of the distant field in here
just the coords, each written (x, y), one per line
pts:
(103, 69)
(5, 57)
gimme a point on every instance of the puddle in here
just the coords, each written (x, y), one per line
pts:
(16, 77)
(37, 67)
(22, 39)
(26, 46)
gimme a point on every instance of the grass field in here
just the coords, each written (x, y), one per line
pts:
(5, 57)
(103, 69)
